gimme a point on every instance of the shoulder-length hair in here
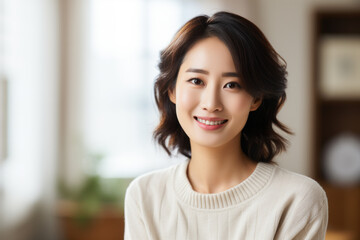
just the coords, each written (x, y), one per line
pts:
(261, 69)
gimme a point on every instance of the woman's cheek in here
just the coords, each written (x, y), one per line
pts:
(240, 104)
(188, 98)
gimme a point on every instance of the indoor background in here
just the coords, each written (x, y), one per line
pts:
(77, 109)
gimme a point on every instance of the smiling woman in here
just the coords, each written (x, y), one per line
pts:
(249, 59)
(208, 90)
(220, 87)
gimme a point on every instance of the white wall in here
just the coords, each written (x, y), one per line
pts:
(31, 68)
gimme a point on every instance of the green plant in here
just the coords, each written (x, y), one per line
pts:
(95, 194)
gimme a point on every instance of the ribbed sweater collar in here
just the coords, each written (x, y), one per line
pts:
(231, 197)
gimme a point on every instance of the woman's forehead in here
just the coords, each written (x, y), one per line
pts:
(209, 53)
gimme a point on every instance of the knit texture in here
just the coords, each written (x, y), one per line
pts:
(272, 203)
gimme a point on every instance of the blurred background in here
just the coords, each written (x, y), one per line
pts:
(77, 109)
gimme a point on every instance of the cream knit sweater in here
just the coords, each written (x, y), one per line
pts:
(272, 203)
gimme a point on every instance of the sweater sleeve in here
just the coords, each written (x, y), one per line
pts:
(316, 228)
(308, 219)
(134, 223)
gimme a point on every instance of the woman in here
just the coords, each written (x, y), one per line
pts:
(220, 87)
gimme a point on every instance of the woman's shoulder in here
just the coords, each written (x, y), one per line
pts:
(297, 182)
(299, 190)
(152, 181)
(299, 201)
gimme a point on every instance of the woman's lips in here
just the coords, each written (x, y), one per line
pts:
(210, 123)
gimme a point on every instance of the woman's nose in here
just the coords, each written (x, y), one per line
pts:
(211, 100)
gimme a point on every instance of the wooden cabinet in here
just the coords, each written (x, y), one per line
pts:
(336, 114)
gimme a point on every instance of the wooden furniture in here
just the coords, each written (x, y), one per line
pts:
(106, 225)
(333, 116)
(333, 235)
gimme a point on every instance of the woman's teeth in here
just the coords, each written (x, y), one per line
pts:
(207, 122)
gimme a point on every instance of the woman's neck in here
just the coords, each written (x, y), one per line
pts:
(213, 170)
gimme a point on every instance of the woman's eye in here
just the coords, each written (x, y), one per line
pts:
(196, 81)
(232, 85)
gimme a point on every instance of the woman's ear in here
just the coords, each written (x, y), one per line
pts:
(172, 96)
(256, 104)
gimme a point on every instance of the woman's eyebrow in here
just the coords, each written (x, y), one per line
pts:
(225, 74)
(197, 70)
(231, 74)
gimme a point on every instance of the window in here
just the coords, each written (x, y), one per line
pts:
(124, 40)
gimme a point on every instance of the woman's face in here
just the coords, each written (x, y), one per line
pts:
(211, 105)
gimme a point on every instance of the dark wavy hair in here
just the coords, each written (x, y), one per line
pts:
(261, 69)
